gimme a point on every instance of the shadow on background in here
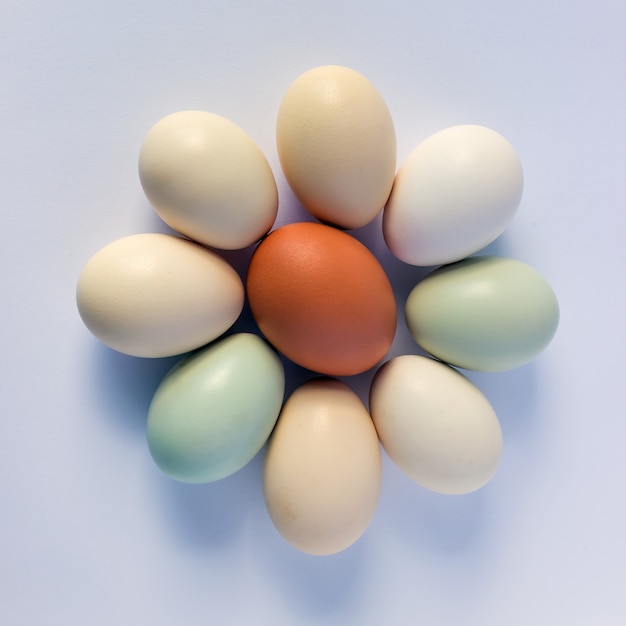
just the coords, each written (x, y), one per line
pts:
(512, 394)
(315, 586)
(431, 522)
(125, 386)
(211, 516)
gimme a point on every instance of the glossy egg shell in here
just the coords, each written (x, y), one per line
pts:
(454, 194)
(484, 313)
(156, 295)
(208, 179)
(215, 409)
(435, 424)
(322, 468)
(337, 145)
(322, 299)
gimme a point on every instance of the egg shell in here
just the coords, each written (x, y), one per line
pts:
(484, 313)
(208, 179)
(337, 145)
(322, 468)
(322, 299)
(454, 194)
(156, 295)
(435, 425)
(215, 409)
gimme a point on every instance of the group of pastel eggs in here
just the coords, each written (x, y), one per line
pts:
(324, 301)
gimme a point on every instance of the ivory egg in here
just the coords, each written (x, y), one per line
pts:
(207, 179)
(156, 295)
(435, 424)
(322, 469)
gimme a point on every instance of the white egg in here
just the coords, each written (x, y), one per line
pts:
(154, 295)
(454, 194)
(207, 179)
(435, 424)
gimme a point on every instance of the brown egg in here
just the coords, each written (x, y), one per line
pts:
(322, 299)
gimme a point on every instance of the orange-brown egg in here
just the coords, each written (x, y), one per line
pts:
(322, 299)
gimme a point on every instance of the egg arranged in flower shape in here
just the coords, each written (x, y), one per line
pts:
(484, 313)
(454, 194)
(337, 145)
(324, 301)
(215, 409)
(207, 179)
(322, 468)
(156, 295)
(435, 425)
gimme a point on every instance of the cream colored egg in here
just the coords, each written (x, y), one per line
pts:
(322, 470)
(337, 145)
(207, 179)
(435, 424)
(155, 295)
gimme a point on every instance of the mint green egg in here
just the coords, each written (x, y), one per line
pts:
(215, 409)
(484, 313)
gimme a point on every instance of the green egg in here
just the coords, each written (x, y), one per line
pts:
(215, 409)
(484, 313)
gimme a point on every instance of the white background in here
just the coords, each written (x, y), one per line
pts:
(92, 533)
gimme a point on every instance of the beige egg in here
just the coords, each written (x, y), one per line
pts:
(322, 470)
(156, 295)
(337, 145)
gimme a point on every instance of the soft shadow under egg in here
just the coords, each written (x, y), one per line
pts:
(125, 385)
(430, 522)
(212, 516)
(316, 587)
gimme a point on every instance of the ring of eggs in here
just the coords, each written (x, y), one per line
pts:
(323, 300)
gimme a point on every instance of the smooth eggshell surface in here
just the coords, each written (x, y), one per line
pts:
(337, 145)
(454, 194)
(435, 425)
(322, 469)
(484, 313)
(207, 179)
(215, 409)
(156, 295)
(322, 299)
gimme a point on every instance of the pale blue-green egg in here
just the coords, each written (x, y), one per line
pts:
(216, 408)
(484, 313)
